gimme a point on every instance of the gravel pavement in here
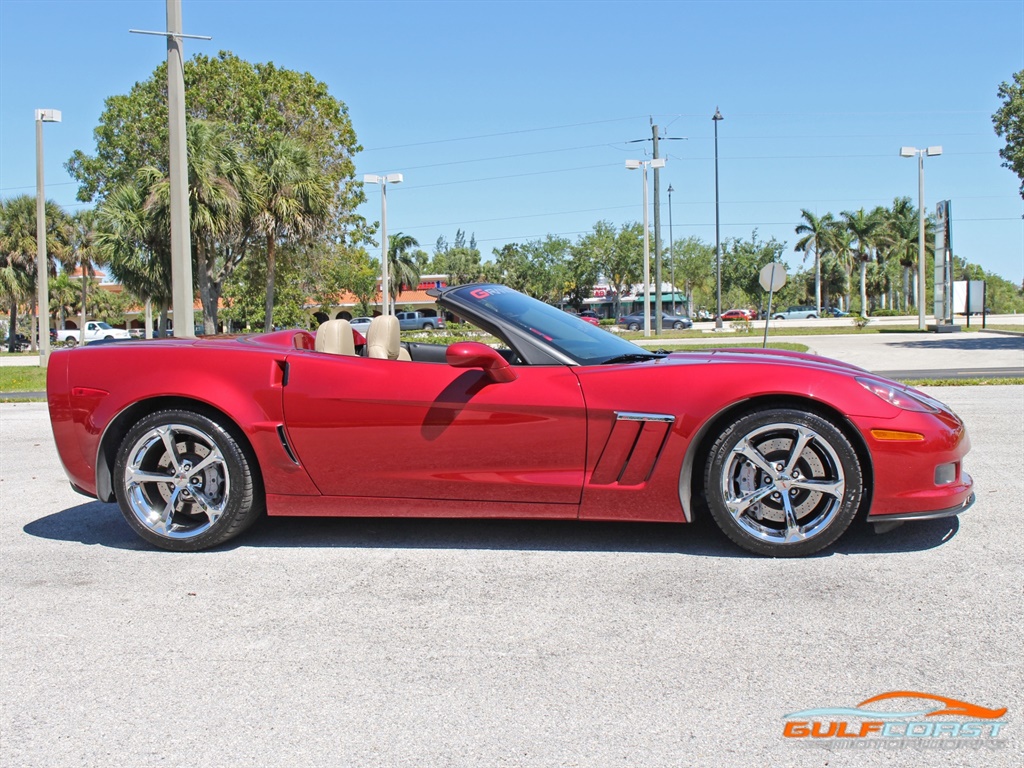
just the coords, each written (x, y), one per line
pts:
(495, 643)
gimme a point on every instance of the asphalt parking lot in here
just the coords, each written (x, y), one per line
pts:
(495, 643)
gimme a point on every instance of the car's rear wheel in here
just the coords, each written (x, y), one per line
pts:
(678, 325)
(779, 317)
(184, 482)
(71, 341)
(783, 482)
(633, 327)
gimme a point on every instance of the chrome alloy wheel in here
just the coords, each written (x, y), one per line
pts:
(783, 483)
(176, 481)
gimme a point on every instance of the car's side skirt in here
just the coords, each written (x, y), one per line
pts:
(356, 506)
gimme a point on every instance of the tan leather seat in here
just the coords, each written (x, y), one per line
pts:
(335, 338)
(384, 339)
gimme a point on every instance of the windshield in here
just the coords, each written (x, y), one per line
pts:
(585, 343)
(103, 326)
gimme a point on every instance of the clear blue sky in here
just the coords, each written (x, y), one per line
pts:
(511, 120)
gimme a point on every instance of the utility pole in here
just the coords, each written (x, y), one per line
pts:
(182, 297)
(657, 237)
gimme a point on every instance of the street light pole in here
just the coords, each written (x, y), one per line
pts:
(633, 165)
(42, 266)
(921, 292)
(385, 280)
(718, 238)
(671, 259)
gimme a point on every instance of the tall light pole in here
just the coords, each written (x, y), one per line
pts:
(182, 297)
(391, 178)
(921, 293)
(42, 272)
(718, 238)
(672, 261)
(633, 165)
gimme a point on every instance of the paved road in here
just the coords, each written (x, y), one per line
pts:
(492, 643)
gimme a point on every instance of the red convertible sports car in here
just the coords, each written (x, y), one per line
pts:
(195, 439)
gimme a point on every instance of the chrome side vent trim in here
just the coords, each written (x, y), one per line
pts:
(284, 444)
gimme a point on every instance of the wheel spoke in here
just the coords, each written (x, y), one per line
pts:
(793, 532)
(209, 509)
(754, 456)
(138, 477)
(214, 456)
(803, 438)
(166, 520)
(739, 506)
(167, 435)
(834, 488)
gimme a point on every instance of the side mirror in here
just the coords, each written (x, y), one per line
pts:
(473, 354)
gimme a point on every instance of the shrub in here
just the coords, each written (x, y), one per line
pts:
(861, 322)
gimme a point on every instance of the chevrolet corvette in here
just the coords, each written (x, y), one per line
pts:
(195, 439)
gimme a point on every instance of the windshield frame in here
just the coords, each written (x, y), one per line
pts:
(527, 324)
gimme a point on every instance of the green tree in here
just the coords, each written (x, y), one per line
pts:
(18, 254)
(815, 238)
(82, 254)
(403, 269)
(1009, 124)
(293, 201)
(694, 263)
(132, 241)
(863, 228)
(223, 198)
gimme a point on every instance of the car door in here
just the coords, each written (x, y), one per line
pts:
(417, 430)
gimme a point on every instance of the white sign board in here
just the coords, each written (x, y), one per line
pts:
(772, 276)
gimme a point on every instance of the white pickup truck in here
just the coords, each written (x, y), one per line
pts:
(93, 332)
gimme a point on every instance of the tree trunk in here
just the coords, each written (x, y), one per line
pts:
(207, 293)
(32, 328)
(268, 318)
(12, 326)
(863, 287)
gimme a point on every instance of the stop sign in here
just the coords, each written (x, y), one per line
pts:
(772, 276)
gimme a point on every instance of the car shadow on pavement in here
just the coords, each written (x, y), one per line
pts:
(95, 523)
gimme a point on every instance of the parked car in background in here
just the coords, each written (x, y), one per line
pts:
(635, 321)
(739, 314)
(802, 312)
(94, 331)
(835, 312)
(21, 342)
(419, 321)
(361, 324)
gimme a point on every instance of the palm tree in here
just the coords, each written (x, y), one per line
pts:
(63, 295)
(863, 228)
(223, 199)
(82, 252)
(294, 201)
(18, 254)
(840, 245)
(403, 268)
(134, 246)
(815, 231)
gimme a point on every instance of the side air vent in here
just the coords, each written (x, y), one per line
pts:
(633, 448)
(284, 443)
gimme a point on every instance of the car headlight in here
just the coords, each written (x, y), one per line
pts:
(901, 398)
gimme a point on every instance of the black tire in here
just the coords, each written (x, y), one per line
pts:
(812, 317)
(71, 341)
(211, 493)
(427, 327)
(633, 327)
(778, 317)
(678, 325)
(765, 499)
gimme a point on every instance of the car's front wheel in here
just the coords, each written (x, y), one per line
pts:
(779, 317)
(783, 482)
(184, 482)
(633, 327)
(678, 325)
